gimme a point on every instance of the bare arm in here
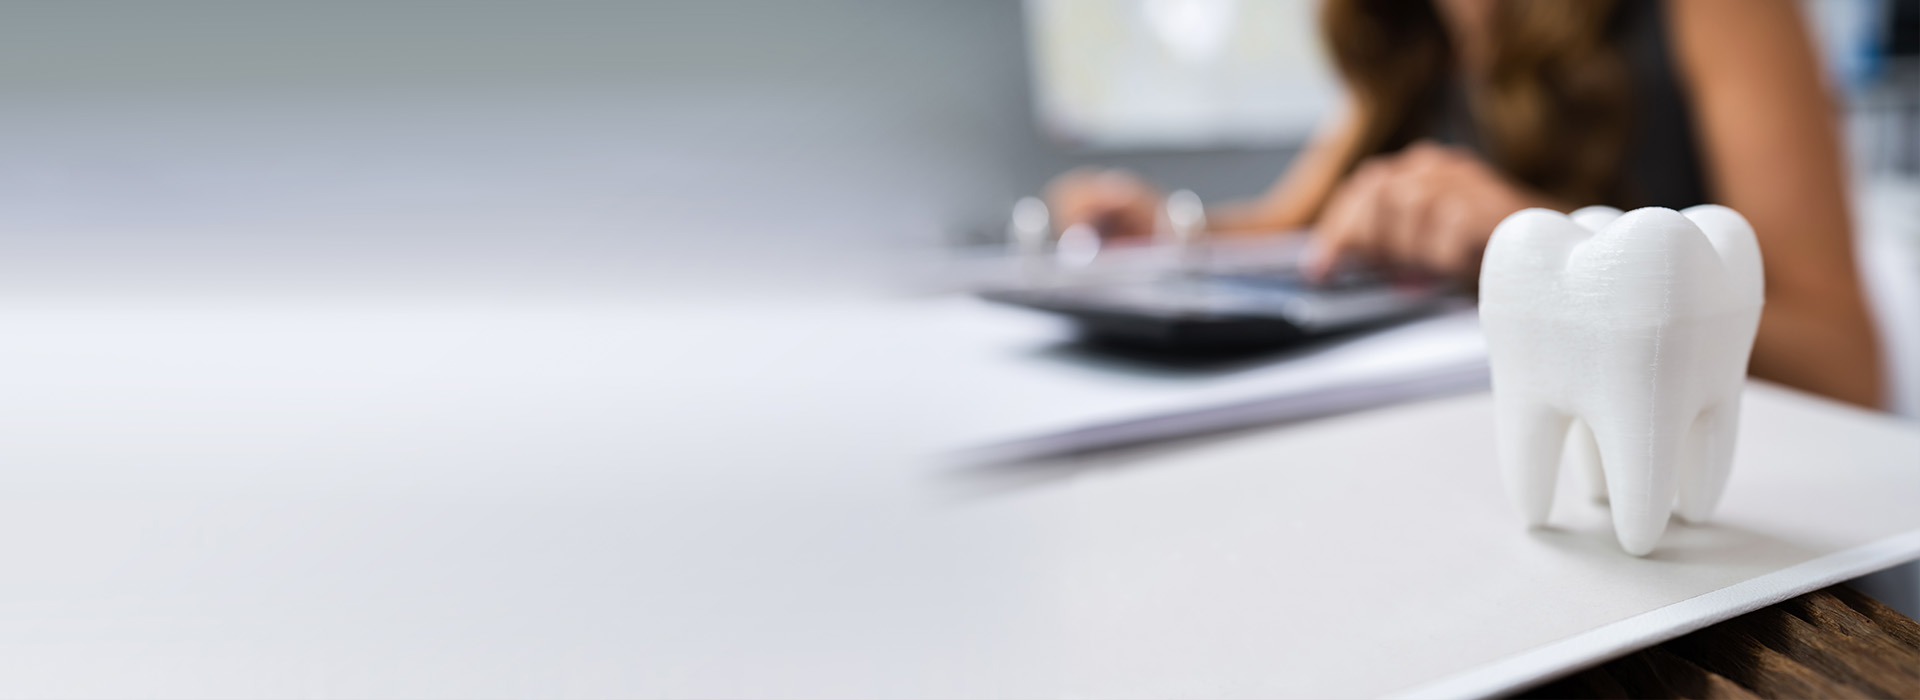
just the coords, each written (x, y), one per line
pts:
(1293, 200)
(1771, 151)
(1121, 205)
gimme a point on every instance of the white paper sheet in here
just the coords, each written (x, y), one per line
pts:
(1033, 392)
(1376, 554)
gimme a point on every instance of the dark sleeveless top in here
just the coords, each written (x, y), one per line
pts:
(1662, 164)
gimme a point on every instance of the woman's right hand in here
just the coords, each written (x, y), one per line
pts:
(1116, 203)
(1427, 207)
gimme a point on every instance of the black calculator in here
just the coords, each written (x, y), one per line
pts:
(1251, 309)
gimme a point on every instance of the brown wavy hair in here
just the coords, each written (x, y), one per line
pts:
(1552, 114)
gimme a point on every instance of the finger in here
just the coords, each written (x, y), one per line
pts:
(1104, 199)
(1128, 207)
(1073, 198)
(1133, 219)
(1446, 251)
(1330, 235)
(1411, 201)
(1365, 237)
(1349, 228)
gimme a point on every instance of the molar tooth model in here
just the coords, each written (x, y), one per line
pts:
(1631, 333)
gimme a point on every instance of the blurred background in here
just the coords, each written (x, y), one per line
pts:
(454, 135)
(615, 143)
(729, 147)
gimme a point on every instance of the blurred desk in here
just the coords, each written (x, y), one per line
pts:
(639, 497)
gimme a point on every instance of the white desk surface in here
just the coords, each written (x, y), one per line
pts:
(574, 499)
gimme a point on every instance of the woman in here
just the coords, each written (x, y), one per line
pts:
(1464, 111)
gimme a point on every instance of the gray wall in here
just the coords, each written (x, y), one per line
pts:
(580, 136)
(924, 100)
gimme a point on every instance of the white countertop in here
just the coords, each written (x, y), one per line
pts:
(642, 498)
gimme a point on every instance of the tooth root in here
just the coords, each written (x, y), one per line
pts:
(1640, 450)
(1583, 456)
(1703, 477)
(1530, 436)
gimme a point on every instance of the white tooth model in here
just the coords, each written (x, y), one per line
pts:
(1629, 333)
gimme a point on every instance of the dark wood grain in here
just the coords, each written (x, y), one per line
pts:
(1895, 624)
(1831, 643)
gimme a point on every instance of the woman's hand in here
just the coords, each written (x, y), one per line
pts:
(1116, 203)
(1428, 207)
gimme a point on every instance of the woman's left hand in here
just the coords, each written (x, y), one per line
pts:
(1427, 207)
